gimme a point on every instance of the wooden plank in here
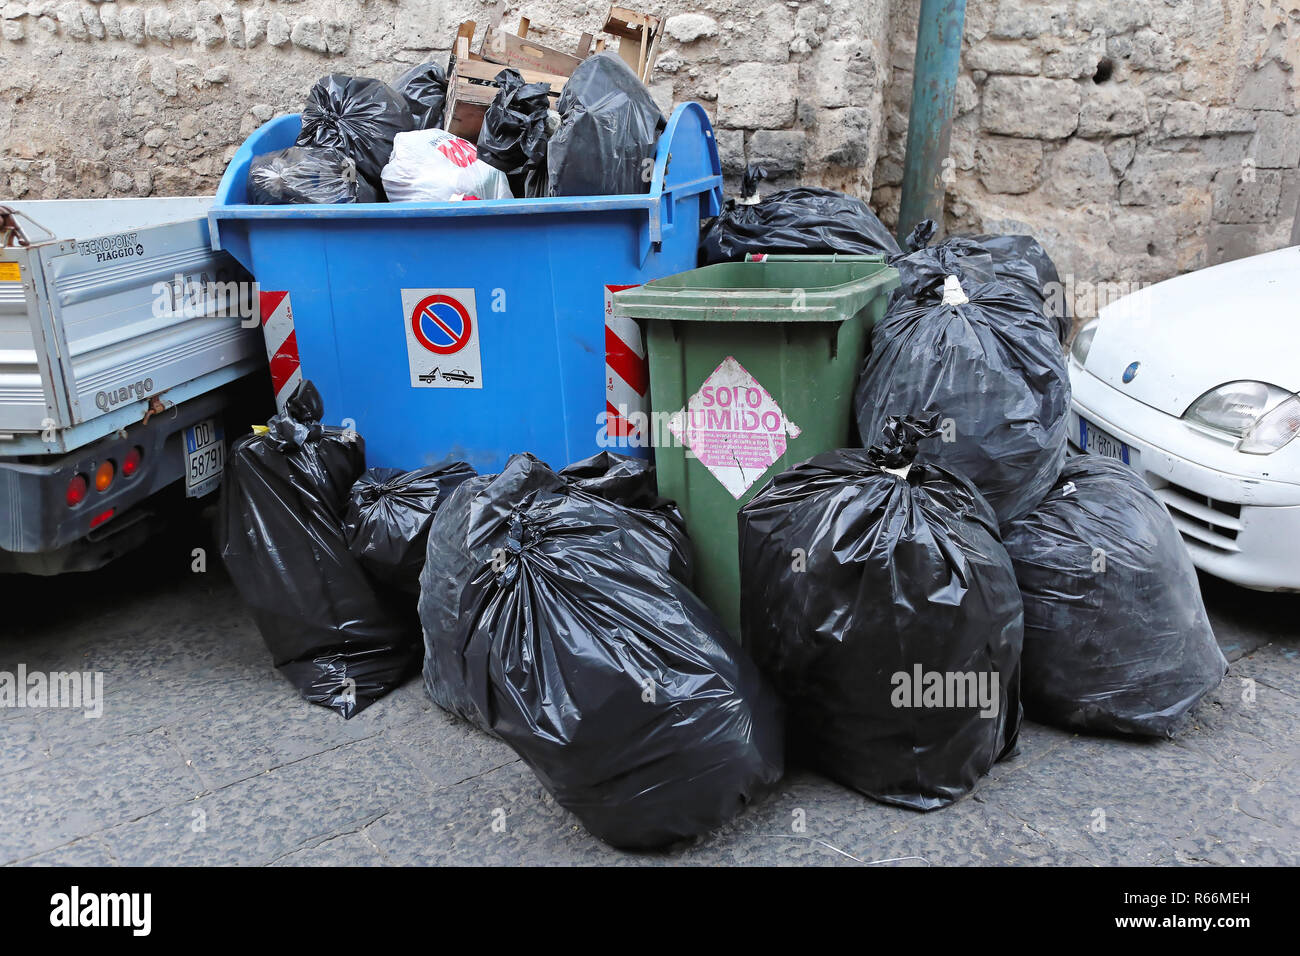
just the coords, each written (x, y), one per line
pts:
(464, 37)
(627, 49)
(654, 45)
(475, 94)
(628, 24)
(524, 24)
(465, 120)
(630, 16)
(584, 48)
(487, 72)
(509, 50)
(619, 30)
(449, 110)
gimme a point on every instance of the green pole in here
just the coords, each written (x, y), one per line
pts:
(929, 124)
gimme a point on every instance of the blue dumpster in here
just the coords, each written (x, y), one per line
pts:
(469, 330)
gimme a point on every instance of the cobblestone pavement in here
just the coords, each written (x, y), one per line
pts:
(204, 755)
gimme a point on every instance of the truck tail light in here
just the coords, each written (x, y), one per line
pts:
(104, 474)
(100, 518)
(131, 463)
(77, 489)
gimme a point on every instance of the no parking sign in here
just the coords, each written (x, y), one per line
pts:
(442, 337)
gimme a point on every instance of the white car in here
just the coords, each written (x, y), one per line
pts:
(1193, 383)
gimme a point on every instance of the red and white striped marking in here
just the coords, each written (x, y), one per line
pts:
(627, 375)
(281, 345)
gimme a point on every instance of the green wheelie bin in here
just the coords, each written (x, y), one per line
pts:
(752, 370)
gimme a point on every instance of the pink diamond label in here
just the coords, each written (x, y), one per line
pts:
(734, 427)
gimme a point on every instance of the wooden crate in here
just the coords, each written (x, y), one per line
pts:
(471, 85)
(520, 52)
(638, 38)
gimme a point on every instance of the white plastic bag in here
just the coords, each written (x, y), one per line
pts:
(432, 165)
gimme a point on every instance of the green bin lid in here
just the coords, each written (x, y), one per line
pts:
(773, 289)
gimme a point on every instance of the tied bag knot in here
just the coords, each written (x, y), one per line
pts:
(898, 448)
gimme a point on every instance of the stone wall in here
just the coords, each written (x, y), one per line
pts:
(127, 98)
(1137, 139)
(118, 98)
(797, 88)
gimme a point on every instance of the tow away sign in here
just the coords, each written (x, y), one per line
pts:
(442, 338)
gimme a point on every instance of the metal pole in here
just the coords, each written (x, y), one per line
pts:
(929, 124)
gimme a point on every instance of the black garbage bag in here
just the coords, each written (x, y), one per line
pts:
(630, 482)
(1019, 261)
(280, 531)
(621, 479)
(1116, 636)
(804, 219)
(358, 116)
(924, 268)
(388, 518)
(305, 174)
(627, 482)
(868, 580)
(514, 133)
(993, 371)
(447, 567)
(425, 89)
(609, 128)
(602, 670)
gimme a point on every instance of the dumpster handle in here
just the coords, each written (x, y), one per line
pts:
(688, 149)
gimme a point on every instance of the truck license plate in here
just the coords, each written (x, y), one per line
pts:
(1097, 441)
(205, 457)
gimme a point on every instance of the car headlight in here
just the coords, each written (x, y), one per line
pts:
(1264, 416)
(1082, 344)
(1274, 430)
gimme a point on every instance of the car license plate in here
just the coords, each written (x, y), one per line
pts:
(1098, 441)
(205, 457)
